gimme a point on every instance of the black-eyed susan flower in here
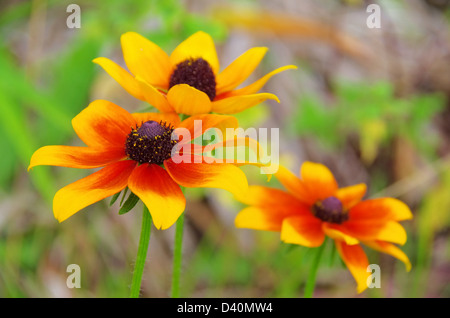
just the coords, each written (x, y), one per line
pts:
(191, 72)
(136, 151)
(314, 207)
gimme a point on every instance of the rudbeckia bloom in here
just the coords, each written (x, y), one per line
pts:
(191, 72)
(314, 207)
(135, 151)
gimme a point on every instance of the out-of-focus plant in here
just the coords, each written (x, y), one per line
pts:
(371, 113)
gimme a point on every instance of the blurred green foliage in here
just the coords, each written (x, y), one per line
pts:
(40, 96)
(373, 114)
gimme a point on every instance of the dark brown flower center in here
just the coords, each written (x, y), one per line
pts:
(196, 73)
(330, 210)
(152, 142)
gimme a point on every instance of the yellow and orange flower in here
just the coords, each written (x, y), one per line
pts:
(314, 207)
(191, 72)
(135, 151)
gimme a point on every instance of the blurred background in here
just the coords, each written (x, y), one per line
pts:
(370, 103)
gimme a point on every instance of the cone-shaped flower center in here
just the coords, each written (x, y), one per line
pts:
(150, 143)
(196, 73)
(330, 210)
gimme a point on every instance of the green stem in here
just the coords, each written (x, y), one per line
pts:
(311, 282)
(142, 253)
(177, 256)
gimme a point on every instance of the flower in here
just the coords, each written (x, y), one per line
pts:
(135, 151)
(314, 207)
(191, 72)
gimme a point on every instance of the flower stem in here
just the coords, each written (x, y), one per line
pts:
(177, 256)
(142, 253)
(311, 282)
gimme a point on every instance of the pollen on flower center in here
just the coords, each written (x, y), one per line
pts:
(152, 142)
(196, 73)
(330, 210)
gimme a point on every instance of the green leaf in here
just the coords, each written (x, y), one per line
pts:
(114, 198)
(131, 201)
(123, 196)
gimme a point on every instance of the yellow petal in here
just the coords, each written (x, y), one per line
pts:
(195, 174)
(75, 157)
(198, 45)
(302, 230)
(293, 184)
(162, 196)
(390, 249)
(318, 180)
(374, 229)
(93, 188)
(356, 261)
(392, 232)
(103, 125)
(236, 104)
(146, 59)
(239, 69)
(198, 124)
(262, 218)
(154, 97)
(264, 197)
(125, 79)
(386, 208)
(398, 210)
(185, 99)
(256, 86)
(350, 196)
(335, 233)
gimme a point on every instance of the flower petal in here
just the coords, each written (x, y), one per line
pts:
(381, 208)
(318, 180)
(256, 86)
(125, 79)
(200, 44)
(376, 219)
(333, 231)
(239, 69)
(153, 96)
(75, 157)
(303, 230)
(103, 124)
(198, 124)
(390, 249)
(350, 196)
(197, 174)
(185, 99)
(170, 118)
(356, 261)
(293, 184)
(236, 104)
(162, 196)
(146, 59)
(389, 231)
(263, 218)
(263, 196)
(392, 232)
(93, 188)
